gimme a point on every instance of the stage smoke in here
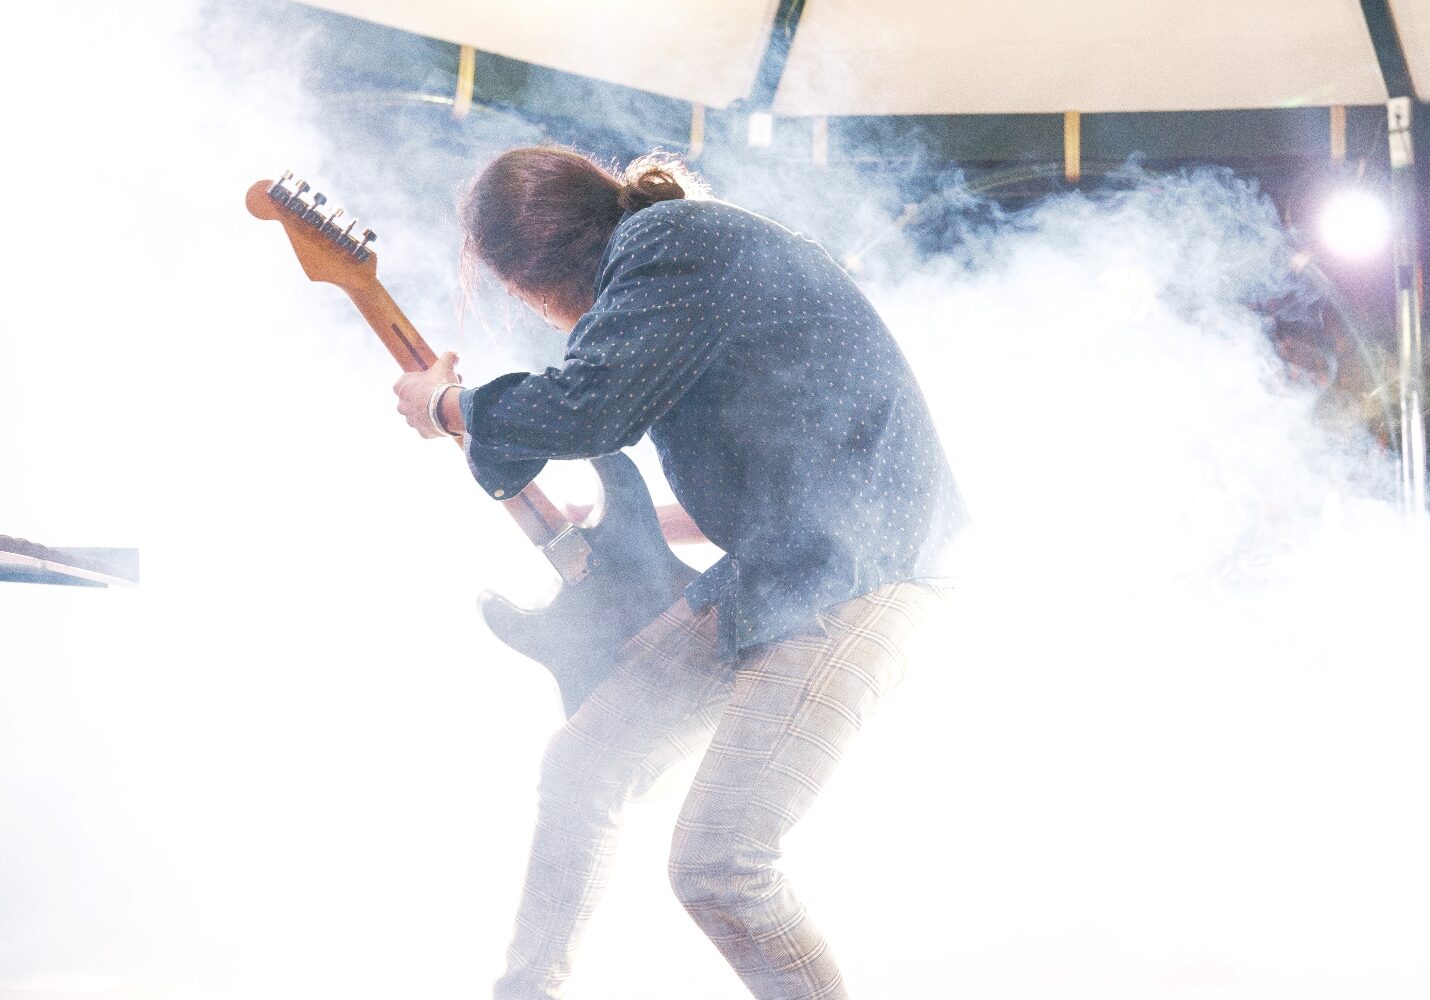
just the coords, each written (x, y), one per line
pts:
(1166, 743)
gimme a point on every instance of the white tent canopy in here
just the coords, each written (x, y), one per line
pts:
(695, 52)
(977, 56)
(997, 57)
(1412, 21)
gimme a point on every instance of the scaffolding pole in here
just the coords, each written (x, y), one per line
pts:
(1409, 292)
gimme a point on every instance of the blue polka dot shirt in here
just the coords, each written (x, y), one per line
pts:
(786, 419)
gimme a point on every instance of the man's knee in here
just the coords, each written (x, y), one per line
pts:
(693, 886)
(719, 880)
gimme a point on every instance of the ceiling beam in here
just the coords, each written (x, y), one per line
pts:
(772, 64)
(1394, 68)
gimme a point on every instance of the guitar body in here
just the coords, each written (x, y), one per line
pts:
(617, 574)
(633, 577)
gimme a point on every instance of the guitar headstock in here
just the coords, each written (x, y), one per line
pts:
(329, 245)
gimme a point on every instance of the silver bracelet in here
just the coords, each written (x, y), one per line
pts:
(434, 401)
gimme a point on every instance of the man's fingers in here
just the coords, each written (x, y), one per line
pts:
(414, 392)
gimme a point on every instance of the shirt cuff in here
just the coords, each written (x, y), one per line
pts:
(501, 478)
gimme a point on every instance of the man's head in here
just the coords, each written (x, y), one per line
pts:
(540, 218)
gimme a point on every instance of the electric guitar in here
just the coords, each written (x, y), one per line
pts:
(616, 574)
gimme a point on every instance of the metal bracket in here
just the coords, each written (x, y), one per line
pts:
(570, 553)
(1398, 117)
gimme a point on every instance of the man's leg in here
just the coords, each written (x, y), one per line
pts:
(795, 707)
(660, 702)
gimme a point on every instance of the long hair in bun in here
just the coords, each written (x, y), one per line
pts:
(541, 216)
(657, 177)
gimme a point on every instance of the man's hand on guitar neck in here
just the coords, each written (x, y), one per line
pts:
(414, 398)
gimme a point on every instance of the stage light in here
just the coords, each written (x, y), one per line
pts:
(1355, 224)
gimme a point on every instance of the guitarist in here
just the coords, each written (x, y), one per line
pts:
(791, 429)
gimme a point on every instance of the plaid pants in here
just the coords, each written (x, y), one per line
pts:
(777, 724)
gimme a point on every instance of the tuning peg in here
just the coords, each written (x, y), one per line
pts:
(345, 239)
(330, 225)
(278, 192)
(361, 251)
(296, 203)
(313, 216)
(296, 199)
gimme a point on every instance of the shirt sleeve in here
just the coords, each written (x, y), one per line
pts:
(654, 329)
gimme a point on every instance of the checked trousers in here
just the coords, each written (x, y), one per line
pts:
(777, 724)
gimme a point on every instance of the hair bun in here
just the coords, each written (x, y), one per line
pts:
(648, 180)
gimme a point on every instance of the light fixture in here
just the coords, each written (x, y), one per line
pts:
(1355, 224)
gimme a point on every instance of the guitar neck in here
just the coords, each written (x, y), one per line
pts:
(394, 329)
(532, 510)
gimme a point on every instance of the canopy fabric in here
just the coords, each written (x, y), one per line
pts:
(1412, 22)
(1017, 56)
(851, 57)
(708, 53)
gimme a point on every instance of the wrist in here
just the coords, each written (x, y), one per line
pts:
(449, 411)
(445, 410)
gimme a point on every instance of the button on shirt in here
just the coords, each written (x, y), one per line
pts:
(786, 419)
